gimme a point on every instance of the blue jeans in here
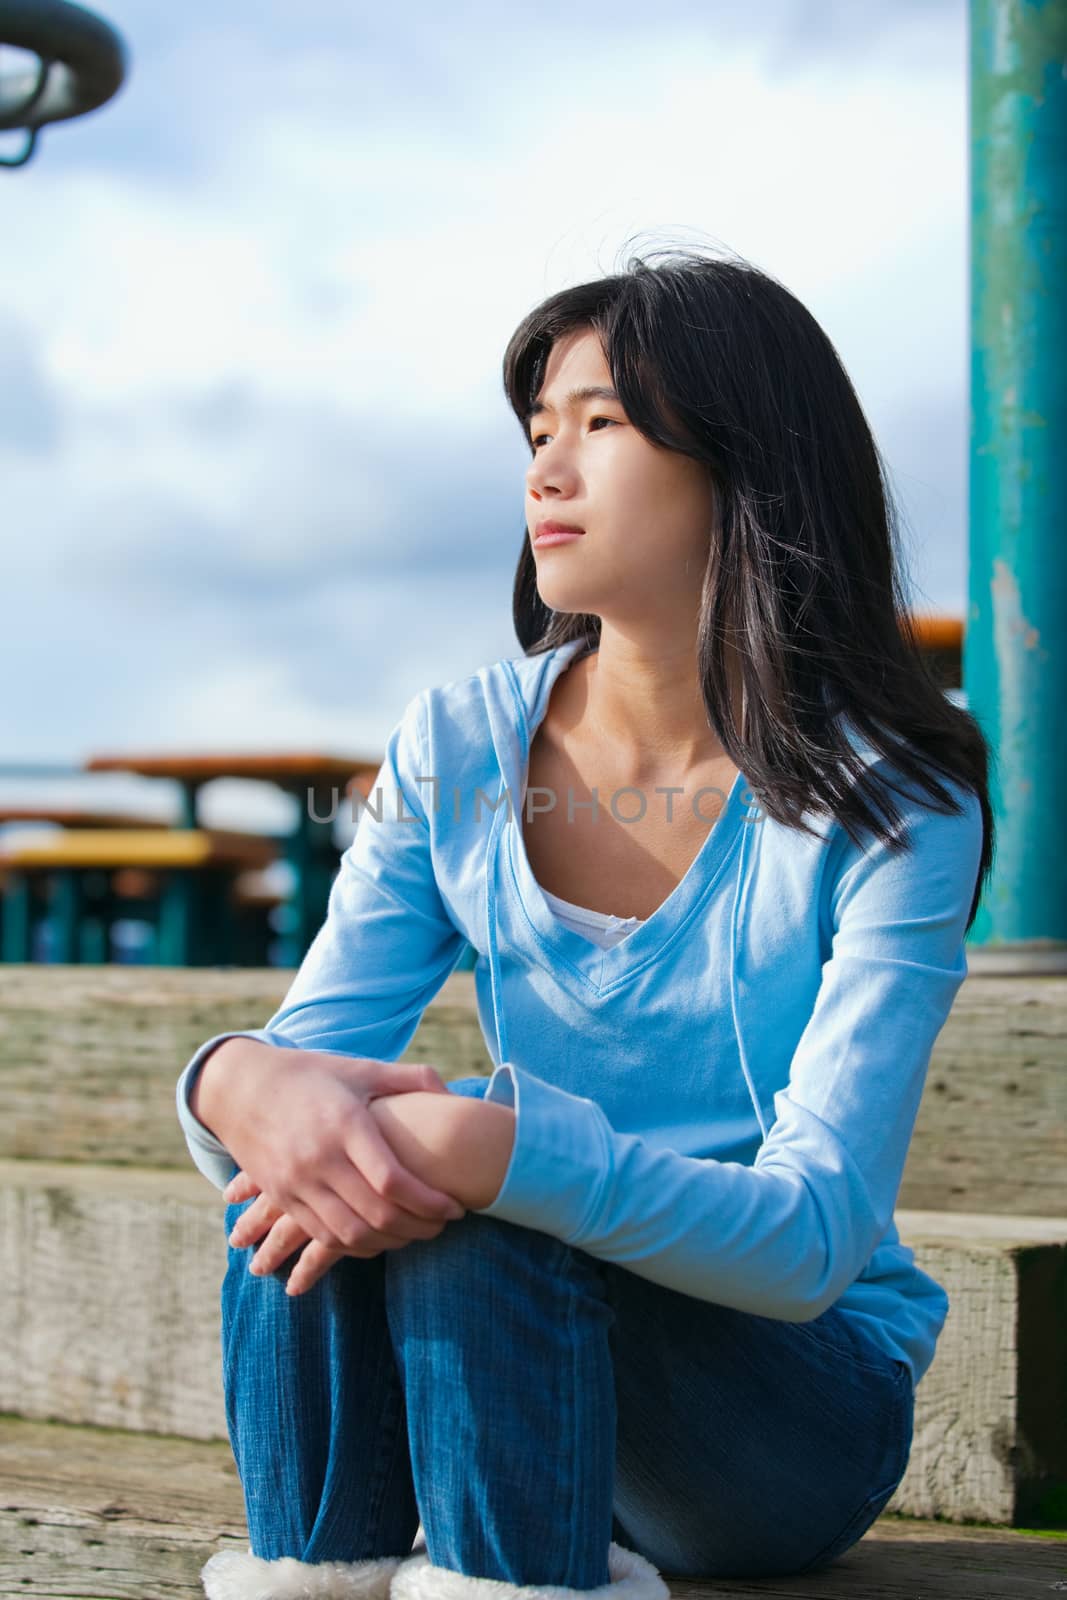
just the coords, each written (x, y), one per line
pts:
(529, 1403)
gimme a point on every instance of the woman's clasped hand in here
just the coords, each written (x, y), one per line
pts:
(312, 1153)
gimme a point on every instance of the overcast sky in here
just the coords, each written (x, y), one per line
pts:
(259, 480)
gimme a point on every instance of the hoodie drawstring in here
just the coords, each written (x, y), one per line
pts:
(492, 867)
(747, 825)
(491, 944)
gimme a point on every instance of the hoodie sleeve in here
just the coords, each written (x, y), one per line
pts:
(785, 1236)
(384, 950)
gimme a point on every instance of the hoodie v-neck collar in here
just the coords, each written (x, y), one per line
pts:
(565, 952)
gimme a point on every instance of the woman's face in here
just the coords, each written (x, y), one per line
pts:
(647, 512)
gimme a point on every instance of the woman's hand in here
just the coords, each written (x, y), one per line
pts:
(281, 1236)
(300, 1125)
(462, 1145)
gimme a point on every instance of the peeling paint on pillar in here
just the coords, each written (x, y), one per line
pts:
(1015, 642)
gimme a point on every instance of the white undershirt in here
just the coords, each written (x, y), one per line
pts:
(603, 928)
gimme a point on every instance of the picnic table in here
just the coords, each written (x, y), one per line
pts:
(197, 914)
(77, 817)
(317, 780)
(16, 916)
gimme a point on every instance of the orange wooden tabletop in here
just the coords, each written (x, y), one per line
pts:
(938, 632)
(287, 767)
(71, 817)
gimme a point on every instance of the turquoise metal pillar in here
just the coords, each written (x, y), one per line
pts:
(1015, 643)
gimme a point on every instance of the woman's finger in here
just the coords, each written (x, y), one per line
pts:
(284, 1237)
(240, 1187)
(344, 1212)
(315, 1261)
(252, 1224)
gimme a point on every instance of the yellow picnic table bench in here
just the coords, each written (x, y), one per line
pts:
(73, 873)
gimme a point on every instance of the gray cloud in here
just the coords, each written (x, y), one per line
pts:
(30, 411)
(427, 72)
(349, 560)
(450, 501)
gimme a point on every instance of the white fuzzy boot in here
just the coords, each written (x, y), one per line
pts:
(236, 1575)
(631, 1577)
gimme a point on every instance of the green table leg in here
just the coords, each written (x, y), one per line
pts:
(175, 933)
(178, 919)
(94, 945)
(218, 942)
(18, 918)
(94, 941)
(187, 805)
(65, 914)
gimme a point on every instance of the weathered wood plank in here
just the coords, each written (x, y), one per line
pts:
(95, 1514)
(110, 1310)
(991, 1423)
(994, 1402)
(991, 1134)
(89, 1057)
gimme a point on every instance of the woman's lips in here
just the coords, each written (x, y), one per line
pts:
(556, 533)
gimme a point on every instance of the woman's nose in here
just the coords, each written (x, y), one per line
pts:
(547, 474)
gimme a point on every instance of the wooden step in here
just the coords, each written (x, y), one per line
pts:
(103, 1514)
(99, 1512)
(89, 1057)
(110, 1316)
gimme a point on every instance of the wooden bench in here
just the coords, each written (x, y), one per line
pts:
(116, 1475)
(67, 878)
(314, 780)
(120, 1515)
(989, 1421)
(93, 1167)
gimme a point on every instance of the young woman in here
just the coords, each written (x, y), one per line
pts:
(717, 837)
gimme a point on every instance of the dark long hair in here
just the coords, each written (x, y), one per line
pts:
(716, 359)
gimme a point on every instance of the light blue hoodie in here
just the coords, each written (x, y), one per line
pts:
(722, 1102)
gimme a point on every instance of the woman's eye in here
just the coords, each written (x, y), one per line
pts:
(538, 436)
